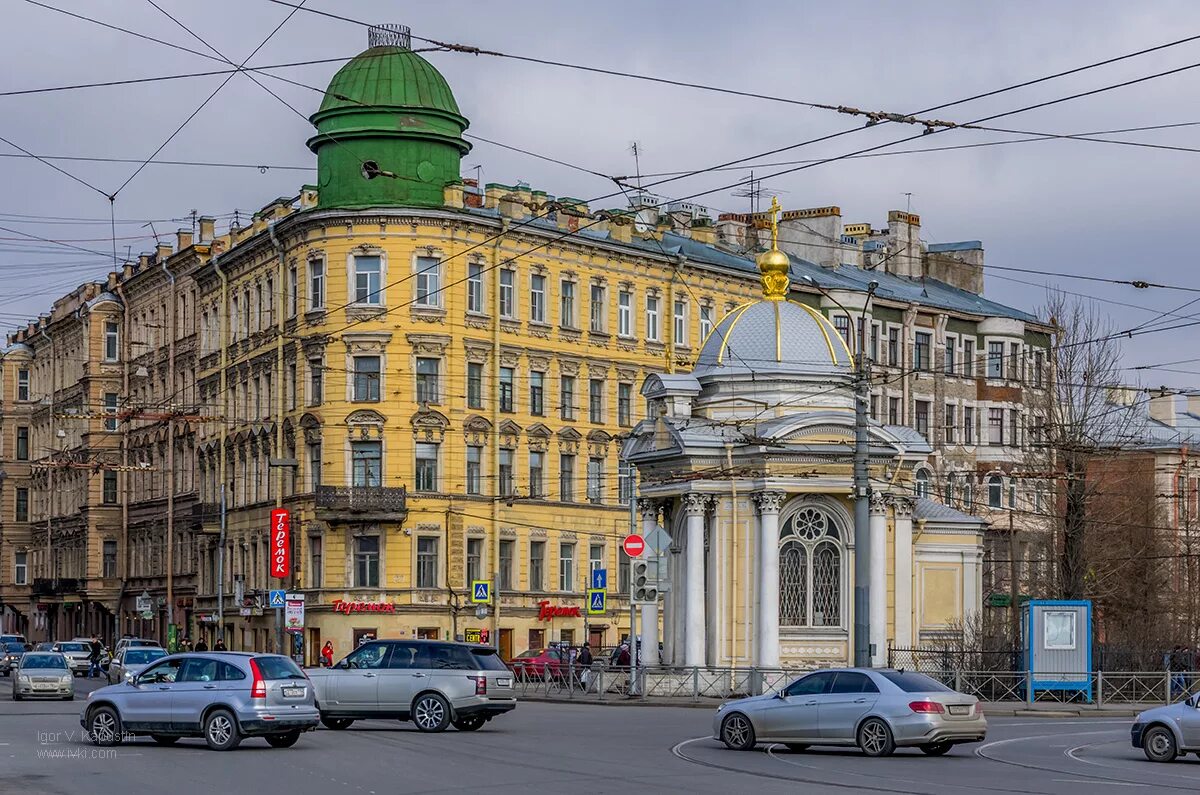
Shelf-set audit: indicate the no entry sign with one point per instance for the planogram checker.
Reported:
(634, 545)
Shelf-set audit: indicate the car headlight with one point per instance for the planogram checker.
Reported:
(23, 679)
(67, 679)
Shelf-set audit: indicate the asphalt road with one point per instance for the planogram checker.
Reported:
(570, 748)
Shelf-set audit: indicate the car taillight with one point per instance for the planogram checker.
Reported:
(480, 685)
(979, 709)
(927, 707)
(258, 689)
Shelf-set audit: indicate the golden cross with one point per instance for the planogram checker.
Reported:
(775, 208)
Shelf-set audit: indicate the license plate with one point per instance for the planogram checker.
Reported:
(504, 681)
(960, 710)
(42, 687)
(293, 692)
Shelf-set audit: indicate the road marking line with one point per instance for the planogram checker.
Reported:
(1098, 781)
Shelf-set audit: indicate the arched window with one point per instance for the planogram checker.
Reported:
(995, 491)
(810, 571)
(921, 487)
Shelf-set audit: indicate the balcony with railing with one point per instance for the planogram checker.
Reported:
(51, 587)
(363, 499)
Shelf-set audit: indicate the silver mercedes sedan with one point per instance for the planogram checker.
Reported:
(1165, 733)
(877, 710)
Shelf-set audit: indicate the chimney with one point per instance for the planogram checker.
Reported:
(183, 239)
(813, 234)
(904, 236)
(620, 229)
(703, 231)
(452, 195)
(308, 197)
(162, 251)
(492, 193)
(144, 260)
(510, 206)
(208, 228)
(1162, 407)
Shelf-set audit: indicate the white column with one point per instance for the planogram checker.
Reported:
(678, 593)
(670, 614)
(649, 617)
(971, 603)
(695, 505)
(878, 602)
(766, 621)
(904, 573)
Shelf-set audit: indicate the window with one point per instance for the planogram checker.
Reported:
(625, 482)
(566, 397)
(506, 472)
(625, 405)
(1014, 427)
(293, 293)
(968, 363)
(622, 571)
(842, 324)
(951, 422)
(995, 426)
(475, 287)
(366, 378)
(948, 357)
(566, 312)
(428, 281)
(110, 411)
(995, 366)
(428, 387)
(474, 464)
(109, 560)
(427, 562)
(652, 318)
(921, 417)
(595, 558)
(474, 385)
(1012, 492)
(22, 384)
(876, 330)
(596, 400)
(269, 294)
(109, 487)
(316, 561)
(291, 386)
(893, 359)
(508, 293)
(21, 505)
(112, 336)
(625, 313)
(995, 491)
(876, 401)
(426, 473)
(21, 568)
(566, 567)
(596, 309)
(366, 458)
(537, 298)
(537, 565)
(314, 464)
(1039, 366)
(968, 425)
(537, 393)
(366, 562)
(810, 571)
(948, 494)
(911, 682)
(921, 352)
(316, 382)
(706, 324)
(1015, 363)
(566, 477)
(595, 480)
(368, 272)
(506, 388)
(474, 560)
(921, 483)
(893, 411)
(537, 473)
(680, 336)
(316, 284)
(506, 565)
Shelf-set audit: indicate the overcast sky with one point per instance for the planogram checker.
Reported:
(1065, 206)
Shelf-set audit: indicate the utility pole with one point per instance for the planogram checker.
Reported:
(633, 644)
(862, 509)
(1014, 587)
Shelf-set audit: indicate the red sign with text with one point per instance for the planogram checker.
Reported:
(281, 547)
(634, 545)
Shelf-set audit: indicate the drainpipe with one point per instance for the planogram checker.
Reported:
(170, 556)
(224, 425)
(285, 291)
(50, 469)
(87, 628)
(123, 477)
(496, 433)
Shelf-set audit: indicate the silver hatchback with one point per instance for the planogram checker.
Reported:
(877, 710)
(223, 697)
(435, 684)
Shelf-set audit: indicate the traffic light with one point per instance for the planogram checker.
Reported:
(645, 590)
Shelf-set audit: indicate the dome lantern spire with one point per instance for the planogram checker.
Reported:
(773, 265)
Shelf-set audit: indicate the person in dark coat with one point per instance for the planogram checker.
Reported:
(201, 645)
(219, 645)
(97, 649)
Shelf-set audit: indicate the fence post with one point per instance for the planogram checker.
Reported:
(1100, 688)
(600, 686)
(1029, 688)
(958, 681)
(754, 686)
(696, 683)
(1167, 687)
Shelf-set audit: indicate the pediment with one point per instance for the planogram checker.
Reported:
(366, 417)
(539, 431)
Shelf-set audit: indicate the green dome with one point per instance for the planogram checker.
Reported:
(389, 77)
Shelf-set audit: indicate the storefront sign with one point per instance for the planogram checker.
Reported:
(476, 635)
(549, 612)
(281, 547)
(340, 606)
(293, 612)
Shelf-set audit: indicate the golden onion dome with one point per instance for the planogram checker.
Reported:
(773, 268)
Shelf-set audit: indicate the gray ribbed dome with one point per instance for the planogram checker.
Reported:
(774, 336)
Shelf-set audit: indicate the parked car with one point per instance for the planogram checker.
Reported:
(1165, 733)
(78, 654)
(124, 642)
(435, 684)
(877, 710)
(14, 639)
(43, 675)
(223, 697)
(539, 664)
(131, 661)
(11, 654)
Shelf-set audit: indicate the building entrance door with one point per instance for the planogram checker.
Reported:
(505, 646)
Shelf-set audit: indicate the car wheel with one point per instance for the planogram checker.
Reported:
(164, 739)
(469, 723)
(104, 726)
(221, 731)
(431, 713)
(797, 748)
(17, 697)
(337, 724)
(875, 738)
(737, 732)
(936, 749)
(285, 740)
(1159, 744)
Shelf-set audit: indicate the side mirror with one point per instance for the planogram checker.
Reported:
(780, 694)
(342, 664)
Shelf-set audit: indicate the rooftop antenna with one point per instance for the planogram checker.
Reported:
(908, 205)
(753, 191)
(636, 148)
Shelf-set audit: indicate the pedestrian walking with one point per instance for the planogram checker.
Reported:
(585, 661)
(327, 654)
(94, 658)
(219, 645)
(201, 645)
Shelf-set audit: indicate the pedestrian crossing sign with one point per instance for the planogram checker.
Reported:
(481, 592)
(276, 599)
(597, 602)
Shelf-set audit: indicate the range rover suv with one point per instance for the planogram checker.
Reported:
(435, 684)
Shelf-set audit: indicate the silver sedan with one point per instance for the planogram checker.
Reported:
(43, 675)
(1165, 733)
(877, 710)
